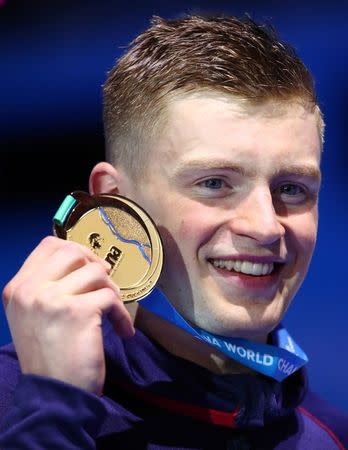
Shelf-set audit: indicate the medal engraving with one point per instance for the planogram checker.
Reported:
(113, 257)
(94, 240)
(119, 231)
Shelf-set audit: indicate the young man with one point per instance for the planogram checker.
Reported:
(212, 126)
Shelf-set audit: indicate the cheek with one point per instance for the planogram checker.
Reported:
(196, 227)
(304, 234)
(185, 233)
(189, 228)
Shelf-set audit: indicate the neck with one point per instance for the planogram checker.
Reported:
(181, 344)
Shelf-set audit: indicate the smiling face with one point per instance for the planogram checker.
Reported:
(234, 192)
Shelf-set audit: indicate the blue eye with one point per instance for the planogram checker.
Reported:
(213, 183)
(292, 193)
(291, 189)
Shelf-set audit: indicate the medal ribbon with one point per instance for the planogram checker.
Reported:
(277, 361)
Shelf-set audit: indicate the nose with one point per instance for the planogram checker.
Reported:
(256, 218)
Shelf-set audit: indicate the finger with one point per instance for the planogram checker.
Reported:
(90, 277)
(51, 260)
(47, 248)
(121, 320)
(109, 303)
(41, 253)
(67, 258)
(35, 259)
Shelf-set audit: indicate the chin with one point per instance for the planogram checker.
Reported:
(239, 323)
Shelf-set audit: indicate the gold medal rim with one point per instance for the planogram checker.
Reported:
(148, 283)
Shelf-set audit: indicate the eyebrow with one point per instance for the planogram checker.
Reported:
(206, 164)
(304, 170)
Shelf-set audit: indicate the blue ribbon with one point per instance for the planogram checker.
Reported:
(277, 361)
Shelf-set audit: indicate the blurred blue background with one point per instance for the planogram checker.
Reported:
(54, 58)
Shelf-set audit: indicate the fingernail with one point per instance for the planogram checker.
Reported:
(106, 264)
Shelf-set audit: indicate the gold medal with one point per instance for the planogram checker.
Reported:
(119, 231)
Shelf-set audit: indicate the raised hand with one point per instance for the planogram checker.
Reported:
(54, 306)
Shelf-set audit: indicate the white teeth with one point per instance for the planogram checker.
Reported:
(247, 267)
(237, 265)
(265, 269)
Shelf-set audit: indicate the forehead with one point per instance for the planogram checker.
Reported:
(212, 128)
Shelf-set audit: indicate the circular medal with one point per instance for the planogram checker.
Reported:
(119, 231)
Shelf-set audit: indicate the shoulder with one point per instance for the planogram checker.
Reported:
(320, 414)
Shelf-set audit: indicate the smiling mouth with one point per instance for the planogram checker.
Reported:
(254, 269)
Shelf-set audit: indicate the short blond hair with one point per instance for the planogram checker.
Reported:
(233, 56)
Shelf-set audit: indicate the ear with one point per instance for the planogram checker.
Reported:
(104, 179)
